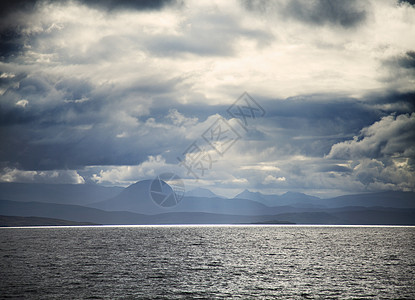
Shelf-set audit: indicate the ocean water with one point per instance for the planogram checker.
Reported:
(208, 262)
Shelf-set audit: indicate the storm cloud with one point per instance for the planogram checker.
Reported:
(111, 92)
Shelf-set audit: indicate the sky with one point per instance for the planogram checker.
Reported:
(273, 96)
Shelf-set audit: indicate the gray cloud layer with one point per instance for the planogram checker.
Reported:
(317, 12)
(115, 91)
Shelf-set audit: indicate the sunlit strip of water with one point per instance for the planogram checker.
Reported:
(206, 225)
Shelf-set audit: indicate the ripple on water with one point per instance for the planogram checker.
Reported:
(208, 262)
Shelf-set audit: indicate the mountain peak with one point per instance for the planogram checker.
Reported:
(145, 182)
(246, 194)
(297, 196)
(292, 193)
(201, 192)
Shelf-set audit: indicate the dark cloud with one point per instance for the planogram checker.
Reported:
(111, 5)
(11, 6)
(399, 67)
(93, 93)
(71, 123)
(392, 102)
(13, 15)
(403, 61)
(45, 146)
(407, 61)
(11, 43)
(322, 114)
(310, 124)
(392, 136)
(411, 2)
(322, 12)
(345, 14)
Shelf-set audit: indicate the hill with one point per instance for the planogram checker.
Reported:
(14, 221)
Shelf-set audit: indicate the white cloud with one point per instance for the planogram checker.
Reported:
(382, 156)
(7, 75)
(55, 176)
(22, 103)
(261, 167)
(392, 135)
(272, 179)
(179, 119)
(126, 175)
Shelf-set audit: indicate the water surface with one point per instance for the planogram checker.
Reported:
(171, 262)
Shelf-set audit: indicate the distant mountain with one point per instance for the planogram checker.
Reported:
(319, 218)
(385, 199)
(57, 193)
(136, 198)
(76, 213)
(201, 192)
(85, 214)
(134, 205)
(222, 206)
(289, 198)
(296, 197)
(364, 216)
(187, 204)
(254, 196)
(13, 221)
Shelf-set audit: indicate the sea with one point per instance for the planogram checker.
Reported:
(208, 262)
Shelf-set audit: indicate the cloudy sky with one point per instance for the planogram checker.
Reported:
(112, 92)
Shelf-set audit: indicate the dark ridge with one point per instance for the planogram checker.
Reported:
(15, 221)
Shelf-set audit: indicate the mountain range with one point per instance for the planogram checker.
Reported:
(90, 203)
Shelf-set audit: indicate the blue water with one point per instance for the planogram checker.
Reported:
(208, 262)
